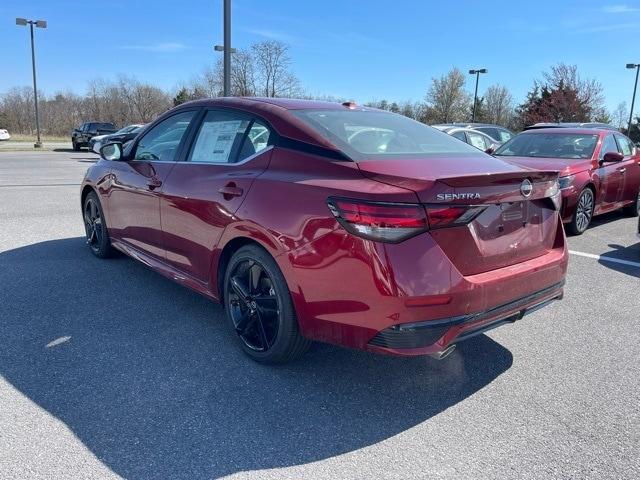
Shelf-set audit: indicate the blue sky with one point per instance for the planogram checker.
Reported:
(360, 49)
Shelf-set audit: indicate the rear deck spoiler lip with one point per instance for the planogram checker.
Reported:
(500, 178)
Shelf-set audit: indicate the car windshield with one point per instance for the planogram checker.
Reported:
(128, 129)
(102, 126)
(550, 145)
(368, 135)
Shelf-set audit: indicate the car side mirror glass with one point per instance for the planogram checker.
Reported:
(612, 157)
(111, 151)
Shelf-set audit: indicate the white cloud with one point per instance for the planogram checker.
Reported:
(167, 47)
(619, 9)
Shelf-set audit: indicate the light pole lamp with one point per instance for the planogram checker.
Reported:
(477, 73)
(23, 22)
(631, 66)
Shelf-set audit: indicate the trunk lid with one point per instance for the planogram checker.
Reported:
(511, 229)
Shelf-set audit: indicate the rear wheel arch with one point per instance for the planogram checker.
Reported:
(228, 250)
(85, 191)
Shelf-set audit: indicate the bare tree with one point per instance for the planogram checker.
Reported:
(620, 116)
(274, 76)
(243, 74)
(447, 99)
(498, 105)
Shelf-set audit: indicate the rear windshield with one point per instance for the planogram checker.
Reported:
(550, 145)
(370, 135)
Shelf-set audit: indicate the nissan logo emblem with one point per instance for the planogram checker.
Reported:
(526, 188)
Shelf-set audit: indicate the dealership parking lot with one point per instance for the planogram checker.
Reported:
(109, 370)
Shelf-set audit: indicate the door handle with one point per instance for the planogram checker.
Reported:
(230, 190)
(153, 183)
(622, 170)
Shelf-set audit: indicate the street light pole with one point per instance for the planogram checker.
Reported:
(227, 49)
(475, 96)
(39, 24)
(635, 87)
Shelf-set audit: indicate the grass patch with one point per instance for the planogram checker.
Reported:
(20, 137)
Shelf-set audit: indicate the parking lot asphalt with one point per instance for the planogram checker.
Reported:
(109, 370)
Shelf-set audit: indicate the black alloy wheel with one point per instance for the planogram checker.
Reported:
(633, 210)
(260, 309)
(253, 305)
(95, 227)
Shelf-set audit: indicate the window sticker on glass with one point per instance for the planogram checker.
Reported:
(215, 141)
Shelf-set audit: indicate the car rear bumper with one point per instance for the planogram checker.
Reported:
(437, 335)
(347, 291)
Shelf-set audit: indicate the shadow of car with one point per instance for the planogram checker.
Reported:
(146, 375)
(622, 259)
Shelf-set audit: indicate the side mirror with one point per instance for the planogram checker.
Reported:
(612, 157)
(111, 151)
(490, 150)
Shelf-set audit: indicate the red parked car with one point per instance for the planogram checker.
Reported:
(330, 222)
(599, 169)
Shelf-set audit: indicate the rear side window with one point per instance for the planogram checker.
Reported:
(499, 134)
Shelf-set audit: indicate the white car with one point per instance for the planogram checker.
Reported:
(4, 135)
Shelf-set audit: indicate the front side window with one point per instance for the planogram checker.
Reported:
(220, 139)
(608, 145)
(371, 135)
(626, 147)
(550, 145)
(162, 141)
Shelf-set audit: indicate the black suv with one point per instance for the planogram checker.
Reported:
(80, 136)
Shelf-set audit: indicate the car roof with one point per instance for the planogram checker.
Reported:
(285, 103)
(464, 129)
(590, 125)
(570, 130)
(468, 125)
(279, 113)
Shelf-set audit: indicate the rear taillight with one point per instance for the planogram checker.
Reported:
(383, 222)
(395, 222)
(441, 216)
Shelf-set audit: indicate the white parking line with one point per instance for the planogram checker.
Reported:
(605, 259)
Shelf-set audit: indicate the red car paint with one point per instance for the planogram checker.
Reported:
(184, 220)
(615, 185)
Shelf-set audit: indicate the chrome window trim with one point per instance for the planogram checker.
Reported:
(248, 159)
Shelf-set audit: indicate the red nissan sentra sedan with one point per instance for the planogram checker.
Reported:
(599, 169)
(330, 222)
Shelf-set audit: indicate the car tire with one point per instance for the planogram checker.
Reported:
(96, 227)
(259, 308)
(583, 214)
(633, 210)
(74, 145)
